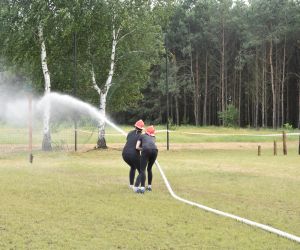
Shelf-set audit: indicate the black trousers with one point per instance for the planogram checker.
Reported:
(133, 160)
(148, 157)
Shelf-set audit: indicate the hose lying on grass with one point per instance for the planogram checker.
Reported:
(246, 221)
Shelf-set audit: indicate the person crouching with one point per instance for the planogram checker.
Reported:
(146, 144)
(130, 154)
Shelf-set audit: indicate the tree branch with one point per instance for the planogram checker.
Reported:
(122, 37)
(95, 86)
(134, 51)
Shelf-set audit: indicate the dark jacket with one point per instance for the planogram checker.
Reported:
(147, 142)
(132, 137)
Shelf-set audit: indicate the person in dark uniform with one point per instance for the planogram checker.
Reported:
(146, 144)
(130, 154)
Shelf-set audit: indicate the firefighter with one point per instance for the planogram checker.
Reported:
(130, 154)
(146, 144)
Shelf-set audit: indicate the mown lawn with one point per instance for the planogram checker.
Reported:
(64, 135)
(82, 201)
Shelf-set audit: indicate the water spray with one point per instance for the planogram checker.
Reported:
(84, 107)
(72, 103)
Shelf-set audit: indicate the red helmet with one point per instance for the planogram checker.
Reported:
(150, 131)
(139, 124)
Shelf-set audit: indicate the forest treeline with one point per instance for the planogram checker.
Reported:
(223, 55)
(221, 60)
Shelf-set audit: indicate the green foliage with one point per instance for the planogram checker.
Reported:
(288, 126)
(229, 116)
(92, 23)
(172, 125)
(124, 96)
(192, 32)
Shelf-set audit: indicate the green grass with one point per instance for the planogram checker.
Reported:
(192, 134)
(183, 134)
(81, 201)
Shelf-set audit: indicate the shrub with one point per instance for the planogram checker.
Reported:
(229, 116)
(287, 126)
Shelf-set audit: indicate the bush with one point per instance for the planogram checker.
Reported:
(229, 116)
(172, 126)
(287, 126)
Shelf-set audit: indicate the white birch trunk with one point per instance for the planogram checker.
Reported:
(46, 145)
(101, 143)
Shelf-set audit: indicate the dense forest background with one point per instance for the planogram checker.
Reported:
(219, 59)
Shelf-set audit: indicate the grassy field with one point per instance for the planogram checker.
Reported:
(184, 134)
(64, 135)
(82, 201)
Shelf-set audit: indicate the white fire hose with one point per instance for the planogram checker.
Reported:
(65, 99)
(246, 221)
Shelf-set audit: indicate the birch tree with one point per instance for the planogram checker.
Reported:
(129, 21)
(46, 144)
(102, 92)
(25, 45)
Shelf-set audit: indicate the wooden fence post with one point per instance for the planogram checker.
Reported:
(275, 148)
(284, 142)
